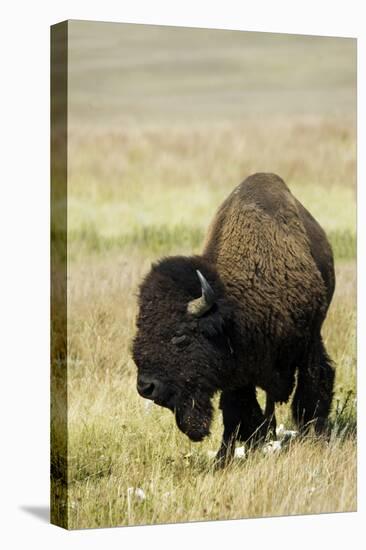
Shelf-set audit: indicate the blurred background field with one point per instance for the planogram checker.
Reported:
(163, 123)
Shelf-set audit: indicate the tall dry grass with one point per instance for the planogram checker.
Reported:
(115, 442)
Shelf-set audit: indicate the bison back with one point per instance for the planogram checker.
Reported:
(272, 255)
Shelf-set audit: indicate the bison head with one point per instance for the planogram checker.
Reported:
(182, 348)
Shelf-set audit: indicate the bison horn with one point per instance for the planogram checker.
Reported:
(204, 303)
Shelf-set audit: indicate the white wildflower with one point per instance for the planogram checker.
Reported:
(272, 447)
(280, 430)
(285, 434)
(148, 405)
(239, 452)
(136, 492)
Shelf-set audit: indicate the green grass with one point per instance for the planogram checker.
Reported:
(162, 240)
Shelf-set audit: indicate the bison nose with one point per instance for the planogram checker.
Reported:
(148, 388)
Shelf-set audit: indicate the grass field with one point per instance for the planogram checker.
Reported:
(149, 188)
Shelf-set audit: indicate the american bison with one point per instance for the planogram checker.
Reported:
(246, 313)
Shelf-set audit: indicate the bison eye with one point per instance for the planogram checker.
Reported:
(179, 341)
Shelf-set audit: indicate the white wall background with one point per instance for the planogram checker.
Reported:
(24, 269)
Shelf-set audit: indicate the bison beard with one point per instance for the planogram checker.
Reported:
(194, 419)
(247, 313)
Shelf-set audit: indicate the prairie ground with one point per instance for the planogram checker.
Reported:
(141, 191)
(115, 441)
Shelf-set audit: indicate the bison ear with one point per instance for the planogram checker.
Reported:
(212, 325)
(204, 303)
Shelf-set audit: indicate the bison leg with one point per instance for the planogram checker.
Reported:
(243, 421)
(313, 396)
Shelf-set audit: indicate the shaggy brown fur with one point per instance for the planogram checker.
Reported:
(271, 269)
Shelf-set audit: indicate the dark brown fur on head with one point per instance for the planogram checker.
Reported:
(188, 356)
